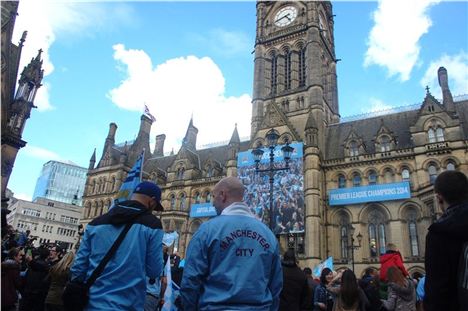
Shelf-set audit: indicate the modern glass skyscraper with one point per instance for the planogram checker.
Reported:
(63, 182)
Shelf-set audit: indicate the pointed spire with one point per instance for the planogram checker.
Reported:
(235, 136)
(190, 139)
(38, 57)
(92, 160)
(172, 152)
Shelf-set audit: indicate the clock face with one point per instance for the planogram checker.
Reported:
(285, 16)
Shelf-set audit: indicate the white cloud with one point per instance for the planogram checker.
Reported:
(47, 20)
(41, 153)
(176, 89)
(393, 41)
(224, 42)
(376, 105)
(457, 70)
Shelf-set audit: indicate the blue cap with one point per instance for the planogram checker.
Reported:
(152, 190)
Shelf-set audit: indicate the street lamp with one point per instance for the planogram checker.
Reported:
(272, 140)
(352, 247)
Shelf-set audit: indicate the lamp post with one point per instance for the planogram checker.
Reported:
(352, 247)
(272, 140)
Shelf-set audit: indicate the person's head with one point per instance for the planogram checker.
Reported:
(349, 288)
(63, 266)
(392, 247)
(227, 191)
(28, 232)
(43, 252)
(148, 194)
(289, 258)
(451, 188)
(15, 254)
(308, 272)
(395, 275)
(326, 276)
(369, 271)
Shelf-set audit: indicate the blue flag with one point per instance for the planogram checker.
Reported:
(328, 263)
(132, 180)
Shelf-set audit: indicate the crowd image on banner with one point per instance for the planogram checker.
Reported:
(288, 194)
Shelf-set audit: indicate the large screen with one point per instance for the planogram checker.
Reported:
(288, 189)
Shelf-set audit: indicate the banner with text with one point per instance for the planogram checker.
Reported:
(288, 188)
(373, 193)
(202, 210)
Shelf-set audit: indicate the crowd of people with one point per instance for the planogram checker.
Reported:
(232, 262)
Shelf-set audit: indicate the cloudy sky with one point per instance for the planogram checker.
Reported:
(104, 60)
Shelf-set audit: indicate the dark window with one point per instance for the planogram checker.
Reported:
(372, 178)
(356, 180)
(287, 71)
(274, 68)
(302, 67)
(341, 181)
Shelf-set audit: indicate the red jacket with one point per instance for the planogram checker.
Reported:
(391, 258)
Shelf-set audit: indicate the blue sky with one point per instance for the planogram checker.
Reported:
(104, 60)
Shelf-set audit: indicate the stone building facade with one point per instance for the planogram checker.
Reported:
(51, 222)
(17, 103)
(295, 92)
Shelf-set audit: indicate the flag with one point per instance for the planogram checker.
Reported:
(132, 180)
(170, 238)
(148, 113)
(172, 290)
(328, 263)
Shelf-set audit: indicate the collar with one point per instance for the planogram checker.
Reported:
(237, 209)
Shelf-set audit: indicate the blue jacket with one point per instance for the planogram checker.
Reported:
(122, 284)
(232, 263)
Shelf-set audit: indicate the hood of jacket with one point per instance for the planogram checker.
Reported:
(389, 255)
(404, 292)
(453, 222)
(123, 212)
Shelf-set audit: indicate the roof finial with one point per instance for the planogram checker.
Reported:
(427, 90)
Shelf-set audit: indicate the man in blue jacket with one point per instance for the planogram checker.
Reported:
(122, 284)
(233, 260)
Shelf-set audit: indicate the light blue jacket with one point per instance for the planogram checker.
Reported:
(122, 284)
(232, 263)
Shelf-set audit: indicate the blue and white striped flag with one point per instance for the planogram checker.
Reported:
(132, 180)
(172, 290)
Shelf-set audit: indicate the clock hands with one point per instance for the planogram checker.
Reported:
(284, 16)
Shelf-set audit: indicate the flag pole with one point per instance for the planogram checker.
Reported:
(142, 161)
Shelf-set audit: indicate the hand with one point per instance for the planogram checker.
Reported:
(322, 305)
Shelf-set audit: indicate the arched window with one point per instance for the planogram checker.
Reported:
(207, 197)
(384, 144)
(353, 149)
(440, 134)
(197, 197)
(431, 135)
(344, 225)
(180, 173)
(182, 201)
(432, 170)
(287, 70)
(372, 178)
(388, 176)
(405, 174)
(377, 237)
(450, 166)
(209, 171)
(172, 199)
(302, 66)
(356, 180)
(274, 74)
(413, 232)
(341, 181)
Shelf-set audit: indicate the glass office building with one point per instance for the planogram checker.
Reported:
(63, 182)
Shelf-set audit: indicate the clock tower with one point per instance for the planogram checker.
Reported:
(295, 92)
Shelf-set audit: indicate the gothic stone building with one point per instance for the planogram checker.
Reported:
(295, 92)
(16, 109)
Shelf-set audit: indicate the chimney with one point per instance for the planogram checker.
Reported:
(447, 98)
(159, 147)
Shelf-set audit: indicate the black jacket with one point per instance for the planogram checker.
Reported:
(370, 286)
(295, 288)
(443, 247)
